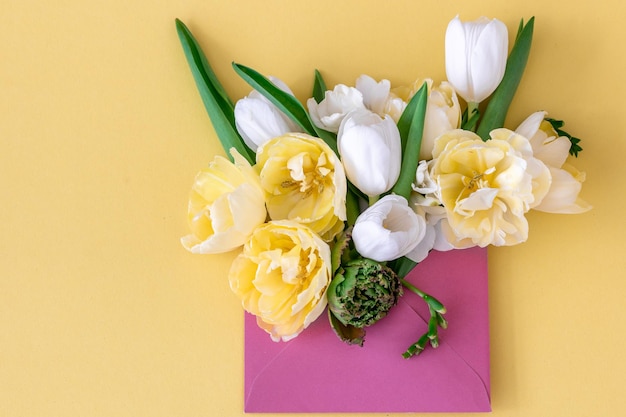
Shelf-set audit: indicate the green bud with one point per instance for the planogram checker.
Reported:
(362, 292)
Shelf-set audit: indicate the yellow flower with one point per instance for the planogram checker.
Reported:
(226, 204)
(443, 111)
(485, 186)
(282, 276)
(304, 181)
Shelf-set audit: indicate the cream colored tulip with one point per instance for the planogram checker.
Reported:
(226, 204)
(443, 113)
(304, 181)
(563, 195)
(282, 277)
(485, 188)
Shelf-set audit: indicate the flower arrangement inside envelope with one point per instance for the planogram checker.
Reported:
(331, 203)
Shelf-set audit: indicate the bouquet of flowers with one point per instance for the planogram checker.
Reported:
(333, 203)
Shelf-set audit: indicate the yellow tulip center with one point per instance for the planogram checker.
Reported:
(305, 176)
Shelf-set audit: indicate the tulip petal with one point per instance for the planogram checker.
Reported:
(488, 58)
(370, 149)
(258, 121)
(374, 93)
(456, 57)
(388, 230)
(563, 195)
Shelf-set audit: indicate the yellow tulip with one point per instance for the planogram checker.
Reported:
(485, 188)
(282, 276)
(226, 204)
(304, 181)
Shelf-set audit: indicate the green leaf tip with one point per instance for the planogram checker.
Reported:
(411, 127)
(319, 87)
(216, 101)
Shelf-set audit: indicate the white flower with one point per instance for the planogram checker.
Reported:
(394, 106)
(547, 146)
(476, 54)
(424, 184)
(375, 94)
(370, 150)
(258, 120)
(330, 112)
(434, 238)
(426, 202)
(387, 230)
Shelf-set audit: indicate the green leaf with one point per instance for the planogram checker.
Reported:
(402, 266)
(574, 142)
(319, 87)
(342, 243)
(287, 103)
(411, 127)
(346, 332)
(498, 106)
(216, 101)
(352, 205)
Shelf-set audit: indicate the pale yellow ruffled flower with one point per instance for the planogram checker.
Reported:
(443, 111)
(226, 204)
(486, 187)
(304, 181)
(282, 276)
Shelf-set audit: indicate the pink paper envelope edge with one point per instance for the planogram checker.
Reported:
(316, 372)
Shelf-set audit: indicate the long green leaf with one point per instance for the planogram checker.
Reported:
(287, 103)
(498, 106)
(413, 132)
(216, 101)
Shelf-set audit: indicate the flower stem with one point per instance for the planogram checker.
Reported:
(471, 108)
(373, 199)
(436, 310)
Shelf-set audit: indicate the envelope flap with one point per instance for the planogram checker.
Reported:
(317, 373)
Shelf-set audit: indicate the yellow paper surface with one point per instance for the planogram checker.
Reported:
(103, 313)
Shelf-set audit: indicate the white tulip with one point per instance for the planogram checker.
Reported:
(375, 94)
(330, 112)
(258, 120)
(476, 54)
(426, 203)
(371, 151)
(434, 238)
(388, 230)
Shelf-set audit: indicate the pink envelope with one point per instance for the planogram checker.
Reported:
(316, 372)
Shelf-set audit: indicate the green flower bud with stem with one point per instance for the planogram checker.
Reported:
(361, 292)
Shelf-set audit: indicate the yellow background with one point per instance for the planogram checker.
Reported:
(103, 313)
